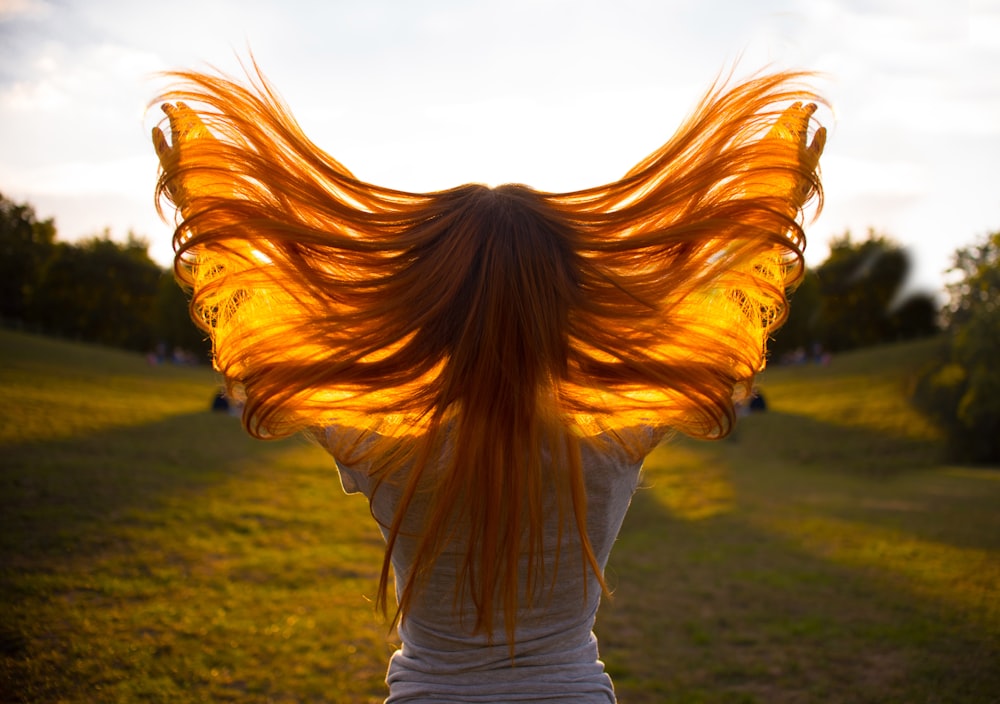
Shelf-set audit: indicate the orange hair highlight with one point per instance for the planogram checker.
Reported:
(494, 328)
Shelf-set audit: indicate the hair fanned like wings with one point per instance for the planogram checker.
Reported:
(513, 317)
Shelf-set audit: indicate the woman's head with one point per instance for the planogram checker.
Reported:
(492, 281)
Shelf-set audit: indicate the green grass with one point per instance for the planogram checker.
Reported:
(822, 553)
(151, 552)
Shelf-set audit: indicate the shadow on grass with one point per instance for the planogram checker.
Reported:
(716, 607)
(723, 609)
(167, 556)
(183, 561)
(808, 442)
(56, 495)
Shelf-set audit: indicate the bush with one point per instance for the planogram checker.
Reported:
(963, 389)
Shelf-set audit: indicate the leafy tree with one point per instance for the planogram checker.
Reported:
(853, 300)
(859, 290)
(915, 317)
(173, 325)
(963, 388)
(101, 291)
(974, 292)
(25, 245)
(96, 290)
(801, 329)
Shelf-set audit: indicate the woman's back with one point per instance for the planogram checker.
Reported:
(555, 653)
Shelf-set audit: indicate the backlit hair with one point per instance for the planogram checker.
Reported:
(504, 324)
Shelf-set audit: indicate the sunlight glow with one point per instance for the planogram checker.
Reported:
(690, 488)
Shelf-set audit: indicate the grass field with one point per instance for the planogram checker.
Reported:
(151, 552)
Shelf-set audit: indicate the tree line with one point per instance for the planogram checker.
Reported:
(856, 298)
(96, 290)
(111, 293)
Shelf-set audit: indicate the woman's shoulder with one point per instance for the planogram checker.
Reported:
(627, 445)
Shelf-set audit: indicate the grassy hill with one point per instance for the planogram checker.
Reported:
(151, 552)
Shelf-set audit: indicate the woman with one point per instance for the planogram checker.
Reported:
(489, 366)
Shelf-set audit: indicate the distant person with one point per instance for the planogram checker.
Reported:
(489, 366)
(755, 403)
(820, 356)
(220, 402)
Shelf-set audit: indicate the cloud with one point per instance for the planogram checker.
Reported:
(85, 178)
(55, 75)
(75, 105)
(24, 9)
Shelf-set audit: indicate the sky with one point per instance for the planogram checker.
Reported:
(557, 94)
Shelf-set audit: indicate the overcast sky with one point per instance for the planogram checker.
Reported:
(557, 94)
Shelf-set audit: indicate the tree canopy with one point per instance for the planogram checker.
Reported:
(97, 289)
(855, 298)
(25, 244)
(963, 388)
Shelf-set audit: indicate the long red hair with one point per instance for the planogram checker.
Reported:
(507, 324)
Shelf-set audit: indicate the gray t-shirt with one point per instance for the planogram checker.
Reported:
(556, 656)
